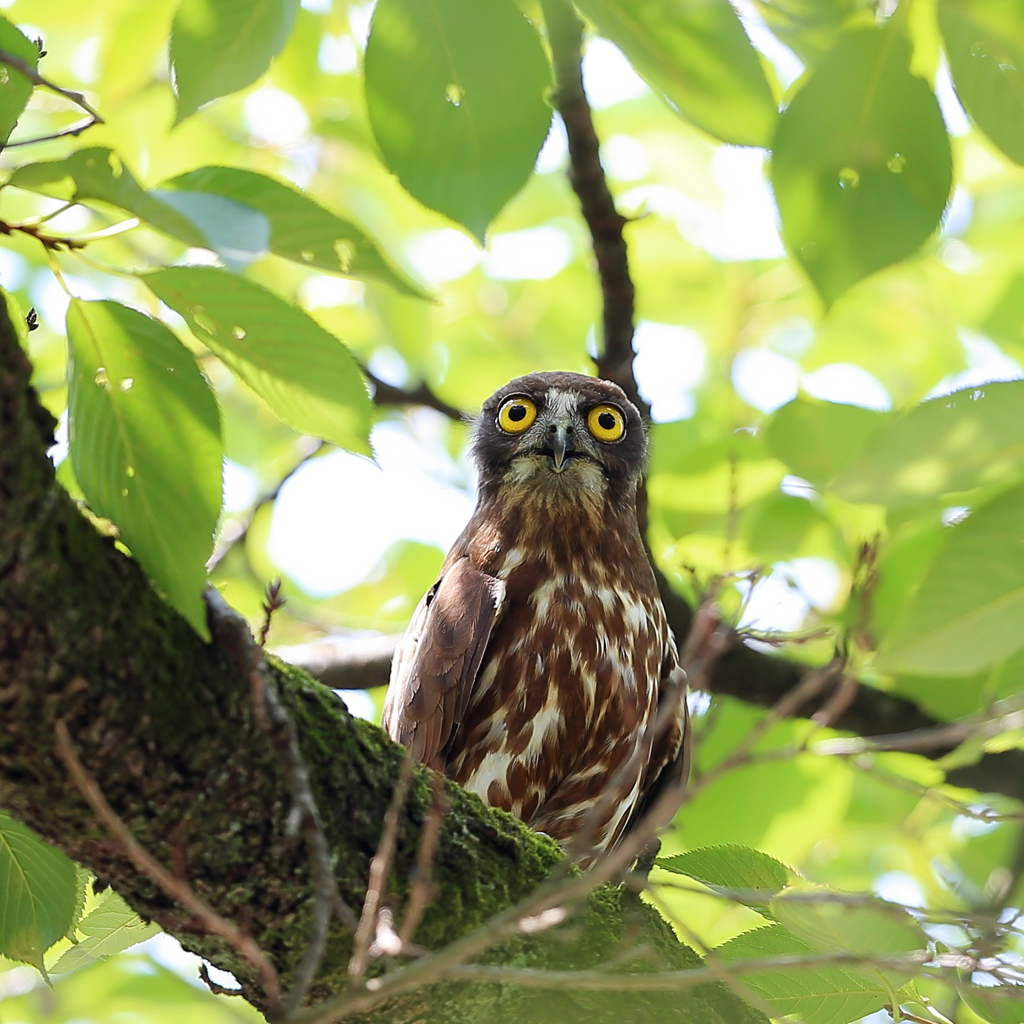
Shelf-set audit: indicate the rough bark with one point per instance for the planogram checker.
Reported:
(163, 722)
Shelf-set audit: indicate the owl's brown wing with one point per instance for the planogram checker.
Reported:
(437, 661)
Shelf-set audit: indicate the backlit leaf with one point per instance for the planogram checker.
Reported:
(753, 875)
(966, 613)
(985, 46)
(455, 93)
(220, 46)
(144, 433)
(15, 88)
(110, 927)
(37, 893)
(697, 55)
(817, 995)
(861, 162)
(306, 375)
(300, 228)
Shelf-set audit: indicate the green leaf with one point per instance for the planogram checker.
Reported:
(455, 93)
(300, 228)
(818, 995)
(37, 893)
(1005, 321)
(221, 46)
(697, 55)
(967, 612)
(861, 162)
(15, 88)
(810, 29)
(1003, 1004)
(307, 376)
(109, 928)
(970, 438)
(752, 875)
(818, 439)
(985, 46)
(144, 434)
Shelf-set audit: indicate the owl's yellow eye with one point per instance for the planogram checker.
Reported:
(606, 422)
(517, 414)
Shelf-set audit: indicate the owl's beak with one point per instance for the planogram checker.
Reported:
(560, 446)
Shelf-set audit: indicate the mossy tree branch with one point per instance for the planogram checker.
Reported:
(163, 723)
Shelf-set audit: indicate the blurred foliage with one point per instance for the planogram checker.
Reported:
(240, 237)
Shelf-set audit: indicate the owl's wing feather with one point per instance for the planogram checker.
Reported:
(437, 661)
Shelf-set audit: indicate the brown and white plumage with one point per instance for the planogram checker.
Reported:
(532, 670)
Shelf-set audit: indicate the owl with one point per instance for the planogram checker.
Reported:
(533, 669)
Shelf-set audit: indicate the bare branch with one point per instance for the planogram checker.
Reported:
(345, 663)
(388, 394)
(177, 889)
(422, 890)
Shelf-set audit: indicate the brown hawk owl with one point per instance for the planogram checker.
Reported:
(533, 668)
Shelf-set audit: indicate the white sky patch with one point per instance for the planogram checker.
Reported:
(847, 384)
(554, 153)
(359, 703)
(85, 59)
(899, 887)
(788, 66)
(625, 158)
(168, 952)
(359, 16)
(532, 254)
(316, 6)
(274, 117)
(957, 217)
(337, 516)
(782, 600)
(323, 291)
(669, 363)
(12, 269)
(608, 77)
(388, 365)
(764, 379)
(957, 122)
(748, 228)
(442, 255)
(798, 487)
(240, 487)
(986, 362)
(58, 451)
(337, 55)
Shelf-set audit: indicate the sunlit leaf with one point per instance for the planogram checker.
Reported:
(818, 439)
(110, 927)
(861, 162)
(455, 93)
(970, 438)
(220, 46)
(37, 893)
(697, 55)
(15, 88)
(144, 433)
(307, 376)
(818, 995)
(810, 27)
(300, 229)
(752, 875)
(985, 46)
(966, 613)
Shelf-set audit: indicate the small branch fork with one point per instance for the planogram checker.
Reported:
(26, 70)
(52, 243)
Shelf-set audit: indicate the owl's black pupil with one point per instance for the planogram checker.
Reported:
(607, 421)
(517, 413)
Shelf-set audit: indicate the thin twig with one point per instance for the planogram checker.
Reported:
(215, 987)
(28, 71)
(52, 243)
(175, 888)
(422, 890)
(380, 868)
(389, 394)
(273, 600)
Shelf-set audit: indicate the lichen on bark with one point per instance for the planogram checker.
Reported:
(163, 722)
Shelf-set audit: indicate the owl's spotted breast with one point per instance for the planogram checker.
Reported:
(533, 670)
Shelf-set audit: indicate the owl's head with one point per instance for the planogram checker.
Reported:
(560, 433)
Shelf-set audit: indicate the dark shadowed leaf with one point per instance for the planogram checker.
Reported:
(967, 611)
(697, 55)
(455, 92)
(15, 88)
(817, 995)
(861, 162)
(220, 46)
(985, 45)
(971, 438)
(306, 375)
(144, 431)
(37, 893)
(300, 228)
